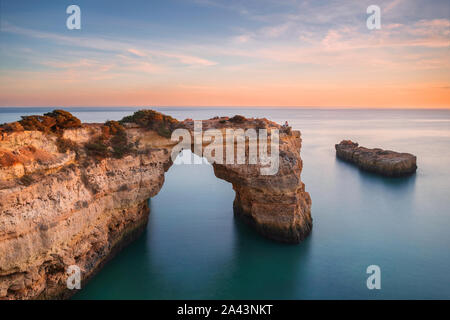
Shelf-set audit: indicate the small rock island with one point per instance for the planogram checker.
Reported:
(383, 162)
(75, 193)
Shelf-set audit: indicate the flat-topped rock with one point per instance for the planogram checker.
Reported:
(384, 162)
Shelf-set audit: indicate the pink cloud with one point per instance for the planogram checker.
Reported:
(392, 5)
(137, 52)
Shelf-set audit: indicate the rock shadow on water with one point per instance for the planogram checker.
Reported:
(202, 257)
(261, 268)
(403, 183)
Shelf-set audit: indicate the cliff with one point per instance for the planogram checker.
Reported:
(75, 194)
(384, 162)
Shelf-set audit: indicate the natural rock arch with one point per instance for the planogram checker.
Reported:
(69, 211)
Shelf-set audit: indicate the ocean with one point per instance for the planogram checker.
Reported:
(194, 248)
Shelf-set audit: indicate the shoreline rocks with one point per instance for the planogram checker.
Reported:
(384, 162)
(76, 196)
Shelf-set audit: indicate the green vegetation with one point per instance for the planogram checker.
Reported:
(260, 124)
(153, 120)
(120, 145)
(26, 180)
(112, 128)
(11, 127)
(97, 148)
(54, 121)
(164, 131)
(66, 144)
(63, 119)
(238, 119)
(119, 140)
(112, 142)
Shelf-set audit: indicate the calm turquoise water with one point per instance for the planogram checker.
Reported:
(194, 249)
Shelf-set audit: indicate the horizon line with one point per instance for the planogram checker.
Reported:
(235, 107)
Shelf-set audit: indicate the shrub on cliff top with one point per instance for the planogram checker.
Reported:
(238, 119)
(38, 123)
(113, 141)
(11, 127)
(153, 120)
(112, 128)
(54, 121)
(64, 119)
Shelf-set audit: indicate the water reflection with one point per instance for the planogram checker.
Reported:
(263, 269)
(401, 185)
(194, 248)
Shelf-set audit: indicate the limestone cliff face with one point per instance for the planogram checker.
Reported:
(70, 213)
(277, 206)
(64, 208)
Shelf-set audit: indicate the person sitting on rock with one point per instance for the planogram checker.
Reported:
(286, 128)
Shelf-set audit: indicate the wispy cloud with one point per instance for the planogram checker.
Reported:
(255, 50)
(390, 6)
(105, 44)
(136, 52)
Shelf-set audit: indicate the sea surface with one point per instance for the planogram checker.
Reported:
(194, 248)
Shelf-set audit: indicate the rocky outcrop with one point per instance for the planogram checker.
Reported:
(65, 211)
(384, 162)
(79, 196)
(277, 206)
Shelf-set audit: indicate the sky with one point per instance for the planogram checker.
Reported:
(284, 53)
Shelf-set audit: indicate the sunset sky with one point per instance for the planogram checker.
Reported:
(225, 53)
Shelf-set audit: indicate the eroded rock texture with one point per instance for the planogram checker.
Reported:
(384, 162)
(80, 206)
(277, 206)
